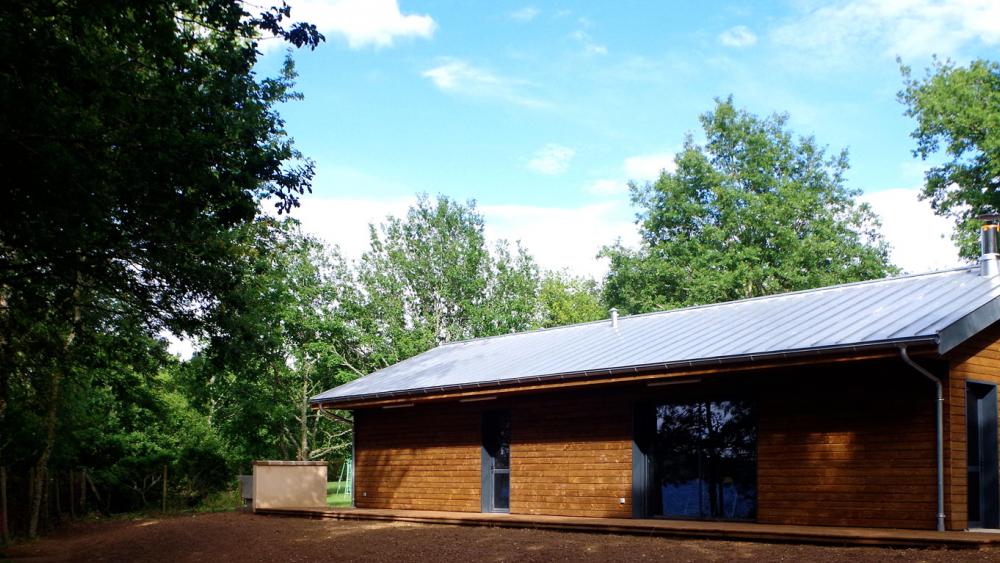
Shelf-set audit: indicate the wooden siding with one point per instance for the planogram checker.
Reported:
(978, 359)
(848, 450)
(845, 444)
(571, 455)
(417, 458)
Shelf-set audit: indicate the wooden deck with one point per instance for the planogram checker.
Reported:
(733, 531)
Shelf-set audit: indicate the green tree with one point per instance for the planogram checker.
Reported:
(280, 336)
(957, 110)
(431, 277)
(121, 420)
(754, 211)
(565, 299)
(141, 138)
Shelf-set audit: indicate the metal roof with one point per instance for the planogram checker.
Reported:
(942, 308)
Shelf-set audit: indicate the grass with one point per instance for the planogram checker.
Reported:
(221, 501)
(334, 499)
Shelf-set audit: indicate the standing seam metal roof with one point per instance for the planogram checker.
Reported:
(943, 308)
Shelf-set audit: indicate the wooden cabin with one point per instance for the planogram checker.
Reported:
(817, 407)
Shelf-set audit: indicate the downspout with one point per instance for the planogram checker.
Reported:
(939, 415)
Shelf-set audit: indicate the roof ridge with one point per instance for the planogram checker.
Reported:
(708, 305)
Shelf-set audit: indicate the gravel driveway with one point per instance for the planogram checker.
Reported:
(243, 537)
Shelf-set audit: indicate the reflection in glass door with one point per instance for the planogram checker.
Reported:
(705, 460)
(496, 462)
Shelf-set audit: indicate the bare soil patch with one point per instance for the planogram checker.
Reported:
(244, 537)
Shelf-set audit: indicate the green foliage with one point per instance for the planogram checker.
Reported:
(278, 339)
(431, 278)
(141, 140)
(753, 212)
(958, 112)
(122, 419)
(565, 299)
(223, 500)
(300, 321)
(147, 137)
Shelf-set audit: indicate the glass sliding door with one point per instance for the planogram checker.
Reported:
(705, 460)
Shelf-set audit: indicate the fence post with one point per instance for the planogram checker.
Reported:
(72, 496)
(3, 503)
(164, 488)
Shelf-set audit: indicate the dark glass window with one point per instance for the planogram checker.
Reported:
(975, 513)
(501, 491)
(501, 455)
(496, 443)
(972, 428)
(705, 460)
(982, 463)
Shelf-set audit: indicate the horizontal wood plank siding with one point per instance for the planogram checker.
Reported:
(838, 445)
(848, 448)
(571, 455)
(417, 458)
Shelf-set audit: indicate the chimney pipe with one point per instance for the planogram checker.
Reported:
(988, 261)
(614, 318)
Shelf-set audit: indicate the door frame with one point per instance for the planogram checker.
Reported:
(989, 453)
(646, 495)
(486, 469)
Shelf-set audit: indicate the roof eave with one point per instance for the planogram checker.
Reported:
(968, 326)
(608, 372)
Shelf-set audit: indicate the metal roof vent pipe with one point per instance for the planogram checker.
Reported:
(988, 261)
(614, 318)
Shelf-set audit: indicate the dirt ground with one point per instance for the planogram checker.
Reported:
(243, 537)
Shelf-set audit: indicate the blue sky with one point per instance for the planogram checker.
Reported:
(542, 111)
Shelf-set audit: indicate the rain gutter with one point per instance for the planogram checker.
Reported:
(939, 416)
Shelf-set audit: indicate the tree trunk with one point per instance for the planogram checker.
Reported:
(83, 492)
(42, 466)
(45, 517)
(93, 489)
(58, 502)
(164, 488)
(72, 500)
(3, 505)
(31, 485)
(304, 416)
(51, 416)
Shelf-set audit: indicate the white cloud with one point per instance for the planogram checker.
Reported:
(362, 23)
(459, 77)
(590, 47)
(920, 240)
(639, 168)
(552, 159)
(558, 237)
(525, 14)
(607, 187)
(647, 167)
(564, 237)
(739, 36)
(344, 221)
(850, 29)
